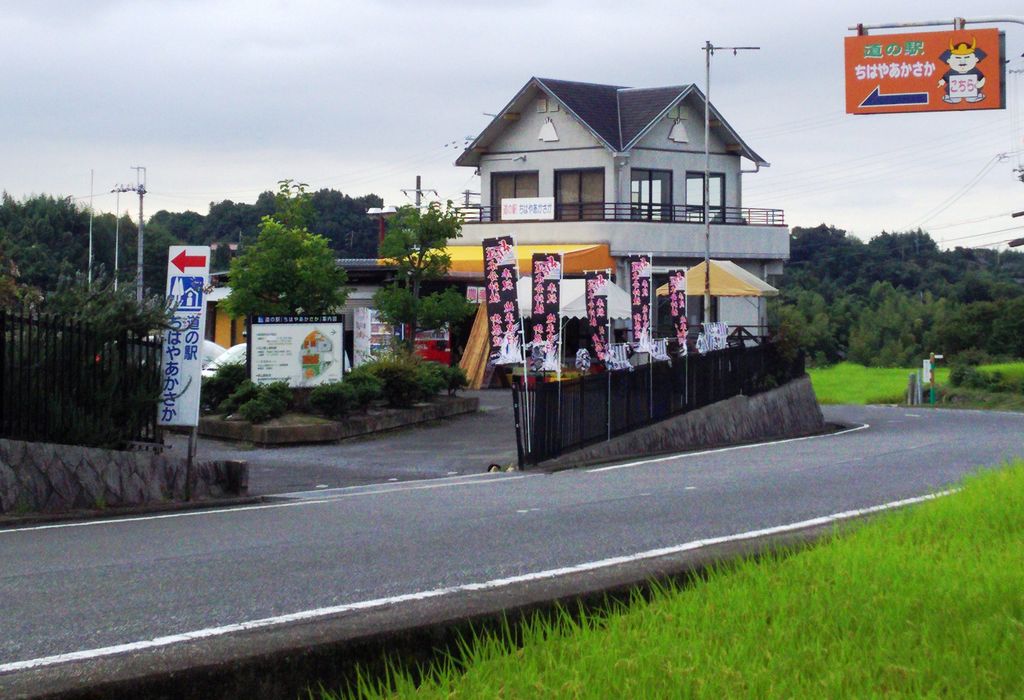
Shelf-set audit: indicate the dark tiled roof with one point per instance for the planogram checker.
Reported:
(617, 114)
(596, 105)
(638, 107)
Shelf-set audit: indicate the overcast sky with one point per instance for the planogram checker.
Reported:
(221, 99)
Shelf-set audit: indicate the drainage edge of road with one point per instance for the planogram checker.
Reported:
(283, 661)
(8, 521)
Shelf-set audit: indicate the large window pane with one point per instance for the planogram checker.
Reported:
(579, 194)
(511, 186)
(695, 196)
(652, 191)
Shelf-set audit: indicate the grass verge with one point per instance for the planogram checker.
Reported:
(927, 601)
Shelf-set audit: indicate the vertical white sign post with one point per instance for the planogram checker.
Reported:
(188, 276)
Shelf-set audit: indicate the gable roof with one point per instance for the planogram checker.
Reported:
(618, 117)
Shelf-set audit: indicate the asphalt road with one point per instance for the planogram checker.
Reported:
(461, 445)
(84, 589)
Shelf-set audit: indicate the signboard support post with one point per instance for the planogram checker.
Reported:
(189, 462)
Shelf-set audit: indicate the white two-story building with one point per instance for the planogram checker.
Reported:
(619, 171)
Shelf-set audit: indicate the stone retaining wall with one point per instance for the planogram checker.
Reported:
(39, 477)
(789, 411)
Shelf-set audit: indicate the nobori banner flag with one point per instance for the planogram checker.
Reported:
(547, 276)
(188, 275)
(677, 305)
(640, 300)
(597, 311)
(500, 277)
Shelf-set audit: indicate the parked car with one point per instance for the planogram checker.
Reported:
(233, 355)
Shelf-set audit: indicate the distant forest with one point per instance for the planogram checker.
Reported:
(43, 238)
(894, 299)
(888, 301)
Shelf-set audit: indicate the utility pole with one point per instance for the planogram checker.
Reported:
(117, 234)
(709, 50)
(140, 188)
(419, 191)
(91, 210)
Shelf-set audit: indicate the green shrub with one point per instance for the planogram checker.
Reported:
(268, 401)
(259, 409)
(246, 391)
(334, 400)
(222, 384)
(432, 379)
(366, 387)
(279, 394)
(399, 383)
(455, 378)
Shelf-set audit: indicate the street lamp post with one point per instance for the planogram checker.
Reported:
(710, 49)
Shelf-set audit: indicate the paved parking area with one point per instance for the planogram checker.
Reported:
(460, 445)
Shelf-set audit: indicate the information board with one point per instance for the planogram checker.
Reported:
(301, 350)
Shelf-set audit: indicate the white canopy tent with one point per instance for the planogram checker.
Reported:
(574, 299)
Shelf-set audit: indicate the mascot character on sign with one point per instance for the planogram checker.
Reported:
(963, 80)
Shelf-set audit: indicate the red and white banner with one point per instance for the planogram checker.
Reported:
(547, 276)
(500, 277)
(677, 304)
(597, 311)
(640, 300)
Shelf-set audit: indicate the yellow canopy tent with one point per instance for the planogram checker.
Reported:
(727, 280)
(577, 257)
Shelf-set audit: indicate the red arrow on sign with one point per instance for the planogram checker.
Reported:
(183, 260)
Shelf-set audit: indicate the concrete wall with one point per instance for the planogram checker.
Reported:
(789, 411)
(39, 477)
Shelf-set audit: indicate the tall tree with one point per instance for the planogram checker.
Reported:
(288, 270)
(415, 242)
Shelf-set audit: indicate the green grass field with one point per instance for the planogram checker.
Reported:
(926, 601)
(849, 383)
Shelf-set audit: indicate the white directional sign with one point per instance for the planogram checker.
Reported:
(188, 275)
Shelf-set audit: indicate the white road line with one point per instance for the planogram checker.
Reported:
(316, 613)
(266, 506)
(683, 455)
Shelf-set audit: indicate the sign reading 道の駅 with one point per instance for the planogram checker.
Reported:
(925, 71)
(188, 275)
(528, 208)
(301, 350)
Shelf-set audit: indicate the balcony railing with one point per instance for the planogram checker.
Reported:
(656, 213)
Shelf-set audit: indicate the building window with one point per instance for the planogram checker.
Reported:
(695, 196)
(511, 186)
(650, 194)
(579, 194)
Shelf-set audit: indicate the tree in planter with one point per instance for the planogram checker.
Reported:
(415, 241)
(288, 270)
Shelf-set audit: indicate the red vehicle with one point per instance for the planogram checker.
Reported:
(434, 345)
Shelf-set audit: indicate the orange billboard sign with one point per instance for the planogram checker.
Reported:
(925, 72)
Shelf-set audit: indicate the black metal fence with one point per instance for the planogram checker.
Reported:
(555, 417)
(65, 382)
(627, 211)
